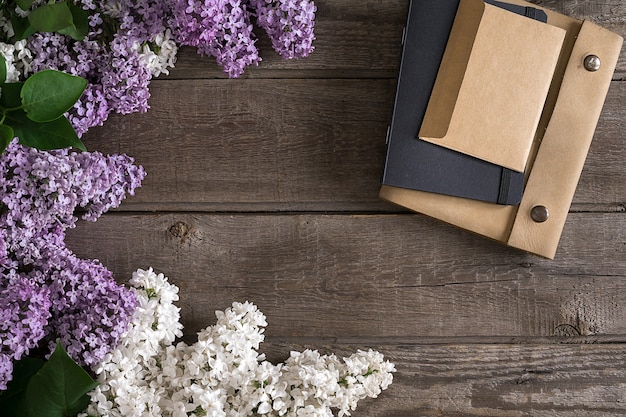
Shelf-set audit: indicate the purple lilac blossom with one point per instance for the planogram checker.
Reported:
(6, 370)
(219, 28)
(42, 190)
(125, 80)
(118, 81)
(234, 45)
(24, 313)
(4, 256)
(46, 292)
(289, 24)
(141, 20)
(91, 110)
(87, 59)
(194, 22)
(90, 311)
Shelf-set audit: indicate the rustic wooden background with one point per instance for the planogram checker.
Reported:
(265, 189)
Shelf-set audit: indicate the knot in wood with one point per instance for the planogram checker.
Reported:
(566, 330)
(180, 230)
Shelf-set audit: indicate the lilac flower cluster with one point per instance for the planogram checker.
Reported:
(289, 24)
(24, 314)
(140, 20)
(90, 312)
(46, 292)
(218, 28)
(234, 44)
(223, 29)
(112, 63)
(196, 23)
(131, 41)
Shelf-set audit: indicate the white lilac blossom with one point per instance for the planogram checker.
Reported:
(160, 55)
(18, 59)
(222, 373)
(6, 26)
(46, 292)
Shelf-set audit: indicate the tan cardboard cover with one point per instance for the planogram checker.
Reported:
(492, 84)
(557, 157)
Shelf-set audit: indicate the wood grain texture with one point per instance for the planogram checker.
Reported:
(385, 275)
(267, 145)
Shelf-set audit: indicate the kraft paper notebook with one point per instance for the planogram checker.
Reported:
(555, 156)
(492, 84)
(417, 164)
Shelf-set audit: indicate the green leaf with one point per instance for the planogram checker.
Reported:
(51, 17)
(12, 400)
(3, 69)
(21, 27)
(57, 134)
(60, 387)
(48, 94)
(63, 17)
(6, 136)
(80, 27)
(10, 97)
(24, 4)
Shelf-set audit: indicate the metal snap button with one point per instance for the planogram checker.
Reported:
(592, 63)
(539, 214)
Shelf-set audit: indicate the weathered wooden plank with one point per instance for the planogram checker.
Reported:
(266, 145)
(263, 143)
(493, 380)
(378, 275)
(362, 39)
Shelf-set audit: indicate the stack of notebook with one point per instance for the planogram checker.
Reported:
(487, 131)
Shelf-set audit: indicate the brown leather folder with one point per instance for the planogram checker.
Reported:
(554, 158)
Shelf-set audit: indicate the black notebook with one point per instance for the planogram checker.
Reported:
(416, 164)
